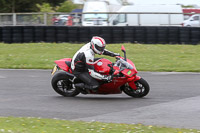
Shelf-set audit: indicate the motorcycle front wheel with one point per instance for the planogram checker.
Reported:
(61, 84)
(141, 91)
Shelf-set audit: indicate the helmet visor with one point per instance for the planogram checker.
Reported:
(101, 49)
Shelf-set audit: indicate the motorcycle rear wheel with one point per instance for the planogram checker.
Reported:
(61, 84)
(142, 89)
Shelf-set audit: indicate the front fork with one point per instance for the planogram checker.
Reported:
(131, 81)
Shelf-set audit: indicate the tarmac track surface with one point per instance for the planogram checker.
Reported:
(173, 100)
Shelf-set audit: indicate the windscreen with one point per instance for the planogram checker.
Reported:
(91, 17)
(122, 63)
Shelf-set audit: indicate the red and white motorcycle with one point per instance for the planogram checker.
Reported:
(123, 72)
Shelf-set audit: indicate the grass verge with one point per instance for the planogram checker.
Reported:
(180, 58)
(38, 125)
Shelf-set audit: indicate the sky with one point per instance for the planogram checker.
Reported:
(184, 2)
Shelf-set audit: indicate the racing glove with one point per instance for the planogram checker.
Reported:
(107, 78)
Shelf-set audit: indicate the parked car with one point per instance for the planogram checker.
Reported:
(61, 20)
(193, 21)
(189, 12)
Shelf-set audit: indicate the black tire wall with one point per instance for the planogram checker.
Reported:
(123, 34)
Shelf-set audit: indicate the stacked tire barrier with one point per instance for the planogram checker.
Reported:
(38, 34)
(162, 35)
(132, 34)
(61, 34)
(195, 35)
(28, 33)
(129, 34)
(6, 34)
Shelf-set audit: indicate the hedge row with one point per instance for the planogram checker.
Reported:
(133, 34)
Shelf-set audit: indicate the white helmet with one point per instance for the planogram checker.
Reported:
(98, 45)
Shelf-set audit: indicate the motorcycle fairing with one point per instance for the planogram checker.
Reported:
(113, 87)
(63, 65)
(129, 72)
(131, 82)
(101, 66)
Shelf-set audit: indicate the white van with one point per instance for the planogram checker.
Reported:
(95, 19)
(134, 15)
(193, 21)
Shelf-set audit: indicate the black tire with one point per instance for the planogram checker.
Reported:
(142, 89)
(62, 85)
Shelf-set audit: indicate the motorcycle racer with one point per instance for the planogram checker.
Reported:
(83, 60)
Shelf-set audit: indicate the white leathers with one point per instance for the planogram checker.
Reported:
(83, 60)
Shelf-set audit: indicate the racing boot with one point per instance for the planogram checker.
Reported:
(81, 88)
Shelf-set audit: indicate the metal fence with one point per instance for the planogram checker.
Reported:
(76, 19)
(36, 19)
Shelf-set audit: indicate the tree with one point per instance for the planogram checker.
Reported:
(67, 6)
(7, 6)
(45, 7)
(18, 5)
(55, 3)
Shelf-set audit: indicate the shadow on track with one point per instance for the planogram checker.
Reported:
(101, 98)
